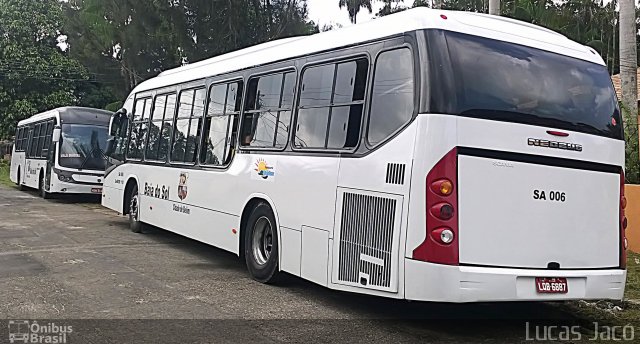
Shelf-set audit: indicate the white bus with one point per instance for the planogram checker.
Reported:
(61, 151)
(427, 155)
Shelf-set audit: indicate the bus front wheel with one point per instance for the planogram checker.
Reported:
(134, 211)
(19, 183)
(41, 187)
(261, 244)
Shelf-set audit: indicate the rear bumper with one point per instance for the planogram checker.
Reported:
(435, 282)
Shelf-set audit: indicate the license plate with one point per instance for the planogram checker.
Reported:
(96, 190)
(555, 285)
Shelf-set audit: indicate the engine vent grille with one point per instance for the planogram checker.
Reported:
(366, 239)
(395, 173)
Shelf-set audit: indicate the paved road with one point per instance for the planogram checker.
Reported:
(61, 259)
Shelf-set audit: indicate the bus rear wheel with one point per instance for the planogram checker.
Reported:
(261, 244)
(134, 211)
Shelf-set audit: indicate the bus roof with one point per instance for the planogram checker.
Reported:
(478, 24)
(73, 114)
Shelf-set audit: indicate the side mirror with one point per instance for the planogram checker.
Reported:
(57, 132)
(121, 113)
(111, 146)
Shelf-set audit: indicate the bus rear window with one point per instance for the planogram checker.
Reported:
(508, 82)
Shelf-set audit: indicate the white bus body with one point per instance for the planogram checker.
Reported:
(61, 151)
(427, 155)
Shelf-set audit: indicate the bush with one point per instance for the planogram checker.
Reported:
(113, 107)
(632, 161)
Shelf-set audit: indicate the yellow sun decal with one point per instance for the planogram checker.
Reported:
(264, 170)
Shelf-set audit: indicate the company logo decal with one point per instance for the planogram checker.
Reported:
(26, 331)
(182, 185)
(264, 170)
(554, 144)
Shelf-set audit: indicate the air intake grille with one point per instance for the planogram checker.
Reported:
(395, 173)
(366, 239)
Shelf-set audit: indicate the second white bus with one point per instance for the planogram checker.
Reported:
(61, 151)
(427, 155)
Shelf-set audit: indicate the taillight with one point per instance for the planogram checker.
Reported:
(443, 211)
(623, 224)
(441, 241)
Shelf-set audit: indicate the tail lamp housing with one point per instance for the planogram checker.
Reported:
(441, 213)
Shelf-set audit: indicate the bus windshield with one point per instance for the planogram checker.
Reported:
(503, 81)
(82, 146)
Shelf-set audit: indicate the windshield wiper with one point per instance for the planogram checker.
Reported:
(91, 155)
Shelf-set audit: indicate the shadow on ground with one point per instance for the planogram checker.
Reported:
(474, 316)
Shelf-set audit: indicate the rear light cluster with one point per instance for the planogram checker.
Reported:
(623, 225)
(441, 241)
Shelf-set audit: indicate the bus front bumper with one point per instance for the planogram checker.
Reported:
(72, 188)
(445, 283)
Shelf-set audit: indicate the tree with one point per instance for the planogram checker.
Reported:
(494, 7)
(390, 7)
(128, 41)
(353, 7)
(35, 74)
(628, 56)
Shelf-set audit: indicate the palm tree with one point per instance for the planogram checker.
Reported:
(494, 7)
(353, 6)
(628, 56)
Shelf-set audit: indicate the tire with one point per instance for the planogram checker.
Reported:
(134, 211)
(19, 183)
(261, 244)
(43, 192)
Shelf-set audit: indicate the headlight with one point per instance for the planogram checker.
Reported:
(64, 178)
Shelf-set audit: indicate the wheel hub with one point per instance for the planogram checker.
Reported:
(262, 240)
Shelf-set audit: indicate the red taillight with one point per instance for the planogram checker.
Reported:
(441, 241)
(623, 224)
(557, 133)
(443, 211)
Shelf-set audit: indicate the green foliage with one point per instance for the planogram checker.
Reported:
(35, 74)
(112, 45)
(632, 163)
(126, 42)
(115, 106)
(5, 168)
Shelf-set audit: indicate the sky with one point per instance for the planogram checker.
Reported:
(324, 12)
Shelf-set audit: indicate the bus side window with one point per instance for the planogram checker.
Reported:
(18, 139)
(186, 133)
(138, 132)
(392, 101)
(267, 114)
(331, 105)
(35, 142)
(161, 127)
(220, 123)
(47, 139)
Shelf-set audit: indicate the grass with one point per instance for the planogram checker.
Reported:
(614, 312)
(633, 277)
(4, 173)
